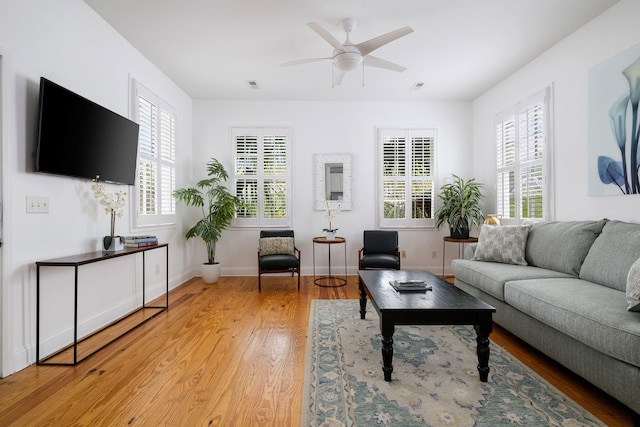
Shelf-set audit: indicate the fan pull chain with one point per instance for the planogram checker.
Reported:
(333, 75)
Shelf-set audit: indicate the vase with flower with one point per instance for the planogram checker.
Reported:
(330, 214)
(113, 204)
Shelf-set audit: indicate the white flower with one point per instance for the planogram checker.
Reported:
(113, 202)
(330, 214)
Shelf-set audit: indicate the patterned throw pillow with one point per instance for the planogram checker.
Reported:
(502, 244)
(276, 246)
(633, 287)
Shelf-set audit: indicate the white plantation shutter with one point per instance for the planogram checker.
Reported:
(156, 158)
(523, 137)
(532, 137)
(261, 176)
(421, 176)
(506, 162)
(147, 149)
(406, 177)
(394, 172)
(275, 176)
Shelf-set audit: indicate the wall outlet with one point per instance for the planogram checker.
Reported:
(434, 254)
(403, 254)
(37, 204)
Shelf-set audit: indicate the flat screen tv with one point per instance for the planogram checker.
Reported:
(79, 138)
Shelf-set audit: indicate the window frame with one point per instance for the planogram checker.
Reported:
(262, 133)
(408, 134)
(161, 217)
(521, 163)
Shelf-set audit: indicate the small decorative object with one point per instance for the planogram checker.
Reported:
(330, 214)
(461, 206)
(633, 287)
(493, 219)
(113, 205)
(218, 207)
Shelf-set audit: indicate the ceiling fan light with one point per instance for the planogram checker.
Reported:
(347, 61)
(347, 65)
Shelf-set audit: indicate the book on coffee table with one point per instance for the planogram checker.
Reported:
(410, 285)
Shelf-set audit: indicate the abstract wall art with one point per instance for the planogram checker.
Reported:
(614, 125)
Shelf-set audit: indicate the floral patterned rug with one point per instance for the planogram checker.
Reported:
(435, 380)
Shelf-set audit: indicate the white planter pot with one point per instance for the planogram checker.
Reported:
(116, 244)
(210, 272)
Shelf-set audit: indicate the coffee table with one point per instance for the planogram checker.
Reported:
(443, 305)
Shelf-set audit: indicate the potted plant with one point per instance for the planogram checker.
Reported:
(461, 206)
(218, 209)
(113, 205)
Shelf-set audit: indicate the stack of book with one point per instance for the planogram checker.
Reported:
(140, 241)
(410, 285)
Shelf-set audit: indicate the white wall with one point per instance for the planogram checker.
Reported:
(333, 127)
(67, 42)
(566, 66)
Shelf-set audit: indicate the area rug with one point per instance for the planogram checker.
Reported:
(434, 383)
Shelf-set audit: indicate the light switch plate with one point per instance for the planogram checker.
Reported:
(37, 204)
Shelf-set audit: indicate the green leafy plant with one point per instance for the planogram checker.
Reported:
(218, 206)
(461, 205)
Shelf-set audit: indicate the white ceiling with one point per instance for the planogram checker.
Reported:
(459, 48)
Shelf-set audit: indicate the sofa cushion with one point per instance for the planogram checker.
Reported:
(590, 313)
(612, 254)
(490, 277)
(561, 245)
(502, 244)
(633, 287)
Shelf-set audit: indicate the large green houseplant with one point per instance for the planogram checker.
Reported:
(218, 209)
(461, 206)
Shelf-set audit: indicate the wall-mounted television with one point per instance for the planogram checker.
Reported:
(79, 138)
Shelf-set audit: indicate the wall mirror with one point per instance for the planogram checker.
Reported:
(333, 180)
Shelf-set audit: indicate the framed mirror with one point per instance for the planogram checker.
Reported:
(332, 180)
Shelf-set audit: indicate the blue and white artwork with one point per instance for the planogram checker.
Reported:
(614, 125)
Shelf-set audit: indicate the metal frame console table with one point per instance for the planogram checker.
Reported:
(76, 261)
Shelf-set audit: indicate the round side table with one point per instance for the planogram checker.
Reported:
(460, 242)
(329, 281)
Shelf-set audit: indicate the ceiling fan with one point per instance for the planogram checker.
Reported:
(348, 56)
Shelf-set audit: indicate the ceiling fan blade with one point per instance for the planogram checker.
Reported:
(374, 61)
(338, 75)
(302, 61)
(376, 42)
(327, 36)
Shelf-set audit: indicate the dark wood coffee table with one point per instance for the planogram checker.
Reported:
(443, 305)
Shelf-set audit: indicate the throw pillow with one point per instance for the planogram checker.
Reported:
(276, 246)
(633, 287)
(504, 244)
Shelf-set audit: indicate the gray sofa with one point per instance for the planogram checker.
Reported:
(569, 299)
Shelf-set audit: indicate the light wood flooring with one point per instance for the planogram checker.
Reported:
(222, 355)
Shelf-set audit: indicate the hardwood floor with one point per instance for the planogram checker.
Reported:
(222, 355)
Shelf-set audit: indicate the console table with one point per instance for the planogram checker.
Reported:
(76, 261)
(340, 281)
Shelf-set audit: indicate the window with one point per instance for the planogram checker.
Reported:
(156, 181)
(523, 136)
(406, 169)
(262, 175)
